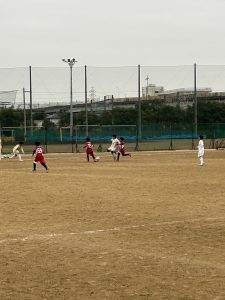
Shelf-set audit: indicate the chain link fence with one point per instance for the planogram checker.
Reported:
(153, 137)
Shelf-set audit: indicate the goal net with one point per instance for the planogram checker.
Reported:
(7, 98)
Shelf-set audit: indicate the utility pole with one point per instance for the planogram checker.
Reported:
(147, 79)
(71, 63)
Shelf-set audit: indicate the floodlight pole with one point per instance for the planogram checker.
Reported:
(195, 100)
(71, 63)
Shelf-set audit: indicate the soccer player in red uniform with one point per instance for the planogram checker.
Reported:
(39, 157)
(122, 150)
(89, 149)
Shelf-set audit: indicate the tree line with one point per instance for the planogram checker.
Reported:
(153, 112)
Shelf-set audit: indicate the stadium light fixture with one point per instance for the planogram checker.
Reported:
(71, 63)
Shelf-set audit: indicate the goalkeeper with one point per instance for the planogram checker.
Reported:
(17, 150)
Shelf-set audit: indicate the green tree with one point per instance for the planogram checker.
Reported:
(10, 117)
(47, 123)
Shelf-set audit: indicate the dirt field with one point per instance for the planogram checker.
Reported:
(149, 227)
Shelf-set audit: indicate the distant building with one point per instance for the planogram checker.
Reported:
(186, 91)
(152, 90)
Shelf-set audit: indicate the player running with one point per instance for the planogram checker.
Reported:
(122, 150)
(89, 149)
(17, 150)
(39, 157)
(114, 145)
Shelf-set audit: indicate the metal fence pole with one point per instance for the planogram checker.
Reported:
(76, 139)
(31, 102)
(86, 104)
(171, 137)
(46, 139)
(24, 116)
(72, 143)
(139, 102)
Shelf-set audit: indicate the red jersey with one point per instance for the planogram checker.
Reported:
(38, 151)
(89, 147)
(122, 147)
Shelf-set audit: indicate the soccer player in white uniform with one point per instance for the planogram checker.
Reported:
(201, 150)
(114, 145)
(17, 150)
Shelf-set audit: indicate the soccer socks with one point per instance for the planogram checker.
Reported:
(201, 160)
(34, 166)
(19, 157)
(45, 166)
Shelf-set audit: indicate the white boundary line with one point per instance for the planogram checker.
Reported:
(41, 237)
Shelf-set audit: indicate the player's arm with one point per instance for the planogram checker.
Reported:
(33, 152)
(22, 150)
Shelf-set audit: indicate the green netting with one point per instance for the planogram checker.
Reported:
(151, 137)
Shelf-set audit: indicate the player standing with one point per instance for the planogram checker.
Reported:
(17, 150)
(122, 150)
(39, 157)
(114, 145)
(201, 150)
(89, 149)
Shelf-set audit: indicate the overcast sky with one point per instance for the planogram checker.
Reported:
(112, 32)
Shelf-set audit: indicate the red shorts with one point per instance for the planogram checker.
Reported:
(89, 151)
(40, 159)
(122, 151)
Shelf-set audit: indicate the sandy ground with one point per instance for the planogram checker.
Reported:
(149, 227)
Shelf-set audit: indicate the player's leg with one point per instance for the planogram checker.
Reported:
(44, 165)
(12, 155)
(113, 154)
(92, 155)
(19, 157)
(126, 154)
(88, 157)
(34, 166)
(201, 160)
(118, 156)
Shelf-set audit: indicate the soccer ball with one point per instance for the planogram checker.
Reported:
(97, 158)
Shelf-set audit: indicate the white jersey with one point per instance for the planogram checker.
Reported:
(115, 143)
(17, 149)
(201, 149)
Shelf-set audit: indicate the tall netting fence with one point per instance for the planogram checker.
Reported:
(100, 95)
(153, 137)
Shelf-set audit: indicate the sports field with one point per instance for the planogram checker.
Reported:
(149, 227)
